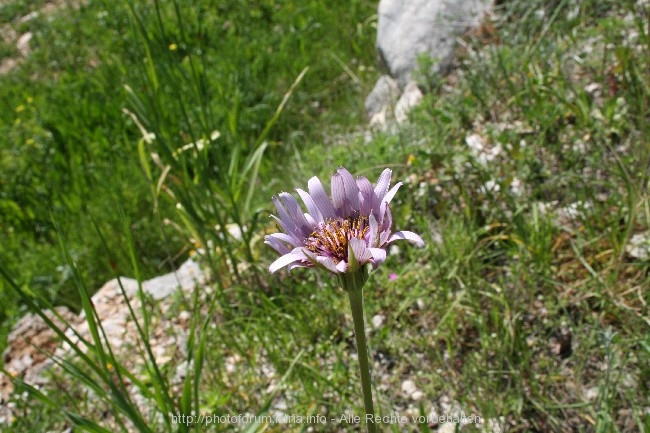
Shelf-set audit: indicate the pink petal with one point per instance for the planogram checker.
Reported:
(312, 222)
(373, 232)
(286, 220)
(320, 198)
(382, 186)
(378, 255)
(360, 251)
(297, 265)
(383, 237)
(327, 262)
(311, 206)
(351, 189)
(295, 256)
(383, 208)
(296, 214)
(409, 236)
(338, 195)
(389, 196)
(324, 262)
(284, 238)
(276, 244)
(367, 194)
(385, 218)
(290, 229)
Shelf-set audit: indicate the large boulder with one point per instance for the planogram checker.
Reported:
(410, 30)
(407, 30)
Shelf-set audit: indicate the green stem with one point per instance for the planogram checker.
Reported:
(355, 293)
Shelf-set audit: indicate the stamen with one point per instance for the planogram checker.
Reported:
(332, 237)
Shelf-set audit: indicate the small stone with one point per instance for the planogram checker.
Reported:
(480, 149)
(30, 16)
(280, 405)
(531, 340)
(410, 98)
(409, 387)
(27, 360)
(593, 88)
(417, 395)
(378, 321)
(516, 186)
(184, 316)
(475, 142)
(493, 425)
(638, 246)
(445, 404)
(629, 381)
(188, 276)
(23, 44)
(383, 95)
(448, 427)
(230, 363)
(591, 394)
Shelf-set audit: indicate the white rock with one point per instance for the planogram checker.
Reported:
(378, 320)
(593, 88)
(186, 278)
(516, 186)
(411, 97)
(417, 395)
(407, 30)
(23, 44)
(30, 16)
(639, 246)
(383, 95)
(475, 142)
(230, 363)
(591, 394)
(491, 186)
(409, 387)
(447, 427)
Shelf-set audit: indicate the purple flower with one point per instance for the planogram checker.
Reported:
(342, 234)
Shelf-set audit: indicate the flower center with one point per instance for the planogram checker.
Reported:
(331, 238)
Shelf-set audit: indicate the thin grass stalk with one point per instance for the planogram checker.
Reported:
(119, 394)
(232, 176)
(162, 394)
(74, 418)
(189, 198)
(118, 399)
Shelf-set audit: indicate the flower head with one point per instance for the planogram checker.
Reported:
(341, 234)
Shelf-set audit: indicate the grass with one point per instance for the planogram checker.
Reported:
(518, 310)
(69, 153)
